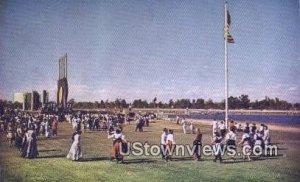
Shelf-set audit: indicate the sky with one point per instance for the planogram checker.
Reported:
(168, 49)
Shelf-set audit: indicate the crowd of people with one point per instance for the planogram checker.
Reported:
(251, 137)
(23, 129)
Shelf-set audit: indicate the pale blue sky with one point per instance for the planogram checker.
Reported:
(145, 49)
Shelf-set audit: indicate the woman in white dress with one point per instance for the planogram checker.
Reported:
(75, 152)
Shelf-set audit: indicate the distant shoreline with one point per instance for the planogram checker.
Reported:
(272, 126)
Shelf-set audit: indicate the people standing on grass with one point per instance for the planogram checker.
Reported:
(163, 142)
(75, 152)
(197, 144)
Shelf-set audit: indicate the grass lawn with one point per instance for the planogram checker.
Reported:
(52, 164)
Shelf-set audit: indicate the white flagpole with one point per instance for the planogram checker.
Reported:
(226, 67)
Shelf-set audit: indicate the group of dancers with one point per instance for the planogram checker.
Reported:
(23, 129)
(252, 138)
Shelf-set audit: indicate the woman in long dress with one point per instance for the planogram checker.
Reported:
(29, 148)
(75, 152)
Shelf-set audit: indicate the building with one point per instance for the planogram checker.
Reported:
(27, 101)
(19, 97)
(31, 101)
(45, 98)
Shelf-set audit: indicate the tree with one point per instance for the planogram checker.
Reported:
(200, 103)
(244, 101)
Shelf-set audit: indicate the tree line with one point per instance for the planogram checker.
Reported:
(241, 102)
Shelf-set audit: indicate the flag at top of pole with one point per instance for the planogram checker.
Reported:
(227, 27)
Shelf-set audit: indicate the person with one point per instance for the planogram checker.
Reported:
(192, 127)
(266, 135)
(246, 143)
(54, 127)
(258, 138)
(47, 129)
(261, 128)
(231, 125)
(177, 119)
(247, 128)
(119, 143)
(197, 144)
(75, 152)
(170, 145)
(163, 140)
(183, 123)
(104, 126)
(10, 134)
(30, 147)
(217, 141)
(231, 140)
(214, 126)
(223, 129)
(19, 137)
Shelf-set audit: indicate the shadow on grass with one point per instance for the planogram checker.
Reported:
(94, 159)
(139, 161)
(182, 158)
(51, 156)
(49, 150)
(253, 159)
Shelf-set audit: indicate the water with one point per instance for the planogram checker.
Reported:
(278, 119)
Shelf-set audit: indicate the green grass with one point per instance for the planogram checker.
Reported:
(52, 164)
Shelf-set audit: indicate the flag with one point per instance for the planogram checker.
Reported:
(226, 29)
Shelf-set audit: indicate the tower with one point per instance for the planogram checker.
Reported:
(62, 84)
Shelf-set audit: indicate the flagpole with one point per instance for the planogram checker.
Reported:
(226, 67)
